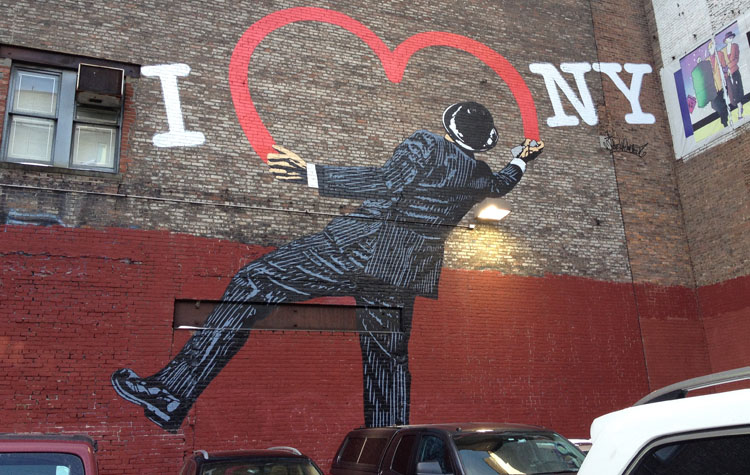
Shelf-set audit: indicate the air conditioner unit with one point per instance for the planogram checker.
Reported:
(100, 85)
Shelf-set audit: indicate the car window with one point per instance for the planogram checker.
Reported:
(372, 450)
(40, 463)
(189, 468)
(726, 454)
(516, 452)
(402, 456)
(250, 467)
(433, 449)
(351, 450)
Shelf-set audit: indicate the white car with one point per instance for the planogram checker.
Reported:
(667, 433)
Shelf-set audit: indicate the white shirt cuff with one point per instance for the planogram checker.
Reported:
(312, 176)
(519, 163)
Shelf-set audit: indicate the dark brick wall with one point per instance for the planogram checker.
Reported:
(647, 185)
(715, 192)
(322, 93)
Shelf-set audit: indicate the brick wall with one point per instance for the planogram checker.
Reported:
(80, 302)
(714, 192)
(337, 107)
(725, 313)
(647, 187)
(575, 305)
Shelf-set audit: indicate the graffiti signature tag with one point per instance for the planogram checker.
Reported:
(614, 144)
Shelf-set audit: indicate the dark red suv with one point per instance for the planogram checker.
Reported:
(272, 461)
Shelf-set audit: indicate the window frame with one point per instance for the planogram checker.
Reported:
(65, 119)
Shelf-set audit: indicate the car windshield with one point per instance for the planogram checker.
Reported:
(41, 463)
(261, 467)
(491, 453)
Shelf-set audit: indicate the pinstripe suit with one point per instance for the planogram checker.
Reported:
(386, 253)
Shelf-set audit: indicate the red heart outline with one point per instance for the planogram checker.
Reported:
(394, 63)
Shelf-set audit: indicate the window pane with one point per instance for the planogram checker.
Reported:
(402, 456)
(42, 463)
(727, 454)
(351, 450)
(93, 146)
(95, 114)
(432, 449)
(31, 139)
(373, 448)
(35, 93)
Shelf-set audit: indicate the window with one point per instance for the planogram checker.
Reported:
(402, 457)
(352, 449)
(40, 463)
(374, 446)
(720, 454)
(432, 449)
(50, 121)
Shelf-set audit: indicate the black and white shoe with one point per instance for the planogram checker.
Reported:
(159, 405)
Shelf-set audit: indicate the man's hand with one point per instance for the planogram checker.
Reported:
(528, 150)
(287, 165)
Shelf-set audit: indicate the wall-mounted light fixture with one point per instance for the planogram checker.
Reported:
(492, 209)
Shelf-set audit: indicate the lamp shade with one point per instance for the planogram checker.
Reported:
(492, 209)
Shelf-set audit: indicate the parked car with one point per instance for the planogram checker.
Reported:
(47, 454)
(459, 449)
(271, 461)
(668, 433)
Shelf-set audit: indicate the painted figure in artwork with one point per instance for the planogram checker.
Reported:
(718, 103)
(730, 57)
(384, 254)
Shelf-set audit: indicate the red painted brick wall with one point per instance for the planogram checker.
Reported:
(80, 303)
(726, 317)
(674, 340)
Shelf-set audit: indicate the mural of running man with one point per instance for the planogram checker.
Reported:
(384, 254)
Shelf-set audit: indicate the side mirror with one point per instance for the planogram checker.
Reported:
(429, 468)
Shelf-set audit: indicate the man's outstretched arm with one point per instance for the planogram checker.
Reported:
(341, 182)
(508, 177)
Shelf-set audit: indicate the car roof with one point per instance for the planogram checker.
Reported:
(618, 436)
(461, 427)
(273, 453)
(37, 442)
(681, 389)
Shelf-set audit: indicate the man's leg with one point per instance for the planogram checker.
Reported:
(168, 395)
(719, 104)
(385, 324)
(304, 269)
(740, 92)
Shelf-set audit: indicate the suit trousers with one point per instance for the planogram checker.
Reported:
(312, 266)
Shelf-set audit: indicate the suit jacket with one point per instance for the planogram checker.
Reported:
(732, 58)
(410, 205)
